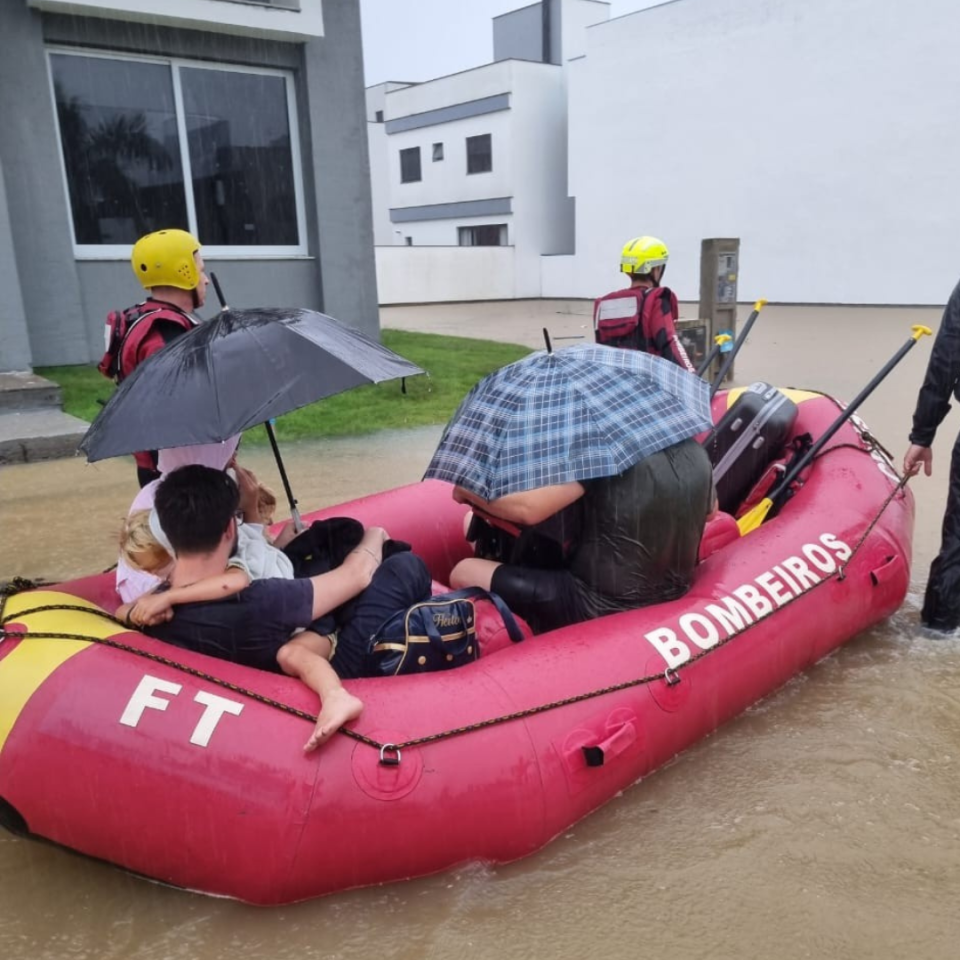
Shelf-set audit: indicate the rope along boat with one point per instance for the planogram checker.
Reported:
(189, 770)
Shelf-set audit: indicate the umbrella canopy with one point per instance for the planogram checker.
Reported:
(240, 369)
(583, 412)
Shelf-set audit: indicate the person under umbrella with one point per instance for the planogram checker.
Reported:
(238, 370)
(609, 430)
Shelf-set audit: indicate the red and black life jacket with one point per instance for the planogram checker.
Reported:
(641, 318)
(127, 329)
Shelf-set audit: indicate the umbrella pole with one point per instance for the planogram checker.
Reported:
(294, 512)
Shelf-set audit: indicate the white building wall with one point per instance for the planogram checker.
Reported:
(575, 17)
(444, 274)
(447, 181)
(543, 213)
(821, 133)
(376, 98)
(462, 87)
(443, 233)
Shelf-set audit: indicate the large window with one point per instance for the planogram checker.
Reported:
(153, 144)
(410, 165)
(487, 235)
(480, 154)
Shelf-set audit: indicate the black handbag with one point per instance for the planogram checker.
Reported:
(436, 634)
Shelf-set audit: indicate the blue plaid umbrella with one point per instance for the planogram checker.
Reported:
(582, 412)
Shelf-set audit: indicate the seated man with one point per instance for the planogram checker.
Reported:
(197, 508)
(638, 541)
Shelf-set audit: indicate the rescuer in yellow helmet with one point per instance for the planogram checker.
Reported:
(168, 264)
(643, 316)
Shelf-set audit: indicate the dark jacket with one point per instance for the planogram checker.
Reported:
(943, 376)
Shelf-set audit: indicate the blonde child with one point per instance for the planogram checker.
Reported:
(144, 546)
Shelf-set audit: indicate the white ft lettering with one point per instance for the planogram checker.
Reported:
(214, 707)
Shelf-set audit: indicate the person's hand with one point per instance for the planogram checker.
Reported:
(286, 533)
(377, 534)
(917, 457)
(151, 609)
(249, 494)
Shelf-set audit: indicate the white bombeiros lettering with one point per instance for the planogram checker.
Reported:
(214, 707)
(750, 601)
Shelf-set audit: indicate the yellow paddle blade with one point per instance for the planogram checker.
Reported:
(722, 338)
(750, 521)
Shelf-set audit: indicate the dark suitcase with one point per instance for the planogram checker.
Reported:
(751, 434)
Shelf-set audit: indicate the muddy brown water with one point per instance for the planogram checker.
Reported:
(824, 822)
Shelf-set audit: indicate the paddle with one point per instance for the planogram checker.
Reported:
(294, 512)
(728, 362)
(750, 521)
(718, 342)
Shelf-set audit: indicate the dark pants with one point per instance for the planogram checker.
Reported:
(941, 605)
(400, 581)
(546, 599)
(145, 476)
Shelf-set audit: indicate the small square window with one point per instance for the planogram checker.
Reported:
(480, 154)
(410, 165)
(409, 241)
(379, 116)
(437, 152)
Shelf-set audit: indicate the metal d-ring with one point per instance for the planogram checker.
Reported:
(671, 677)
(391, 761)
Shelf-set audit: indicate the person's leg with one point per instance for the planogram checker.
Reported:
(546, 599)
(941, 605)
(145, 476)
(400, 581)
(306, 657)
(473, 572)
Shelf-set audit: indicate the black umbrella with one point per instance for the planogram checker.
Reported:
(238, 370)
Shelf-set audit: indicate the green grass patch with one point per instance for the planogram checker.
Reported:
(453, 365)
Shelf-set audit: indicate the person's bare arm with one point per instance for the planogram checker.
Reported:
(527, 508)
(153, 608)
(353, 576)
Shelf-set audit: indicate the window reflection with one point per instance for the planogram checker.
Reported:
(240, 157)
(120, 145)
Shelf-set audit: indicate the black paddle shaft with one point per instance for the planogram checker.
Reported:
(702, 369)
(728, 362)
(851, 408)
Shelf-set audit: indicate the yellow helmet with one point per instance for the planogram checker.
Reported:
(641, 254)
(165, 259)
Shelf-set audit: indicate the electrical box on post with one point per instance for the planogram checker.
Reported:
(719, 273)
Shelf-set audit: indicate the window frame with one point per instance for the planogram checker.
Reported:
(437, 152)
(114, 251)
(478, 136)
(400, 153)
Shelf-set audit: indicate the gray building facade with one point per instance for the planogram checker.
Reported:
(113, 125)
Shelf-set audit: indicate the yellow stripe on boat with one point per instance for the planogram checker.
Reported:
(24, 671)
(797, 396)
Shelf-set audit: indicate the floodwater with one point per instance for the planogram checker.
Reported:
(824, 822)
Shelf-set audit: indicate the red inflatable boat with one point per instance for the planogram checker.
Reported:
(190, 771)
